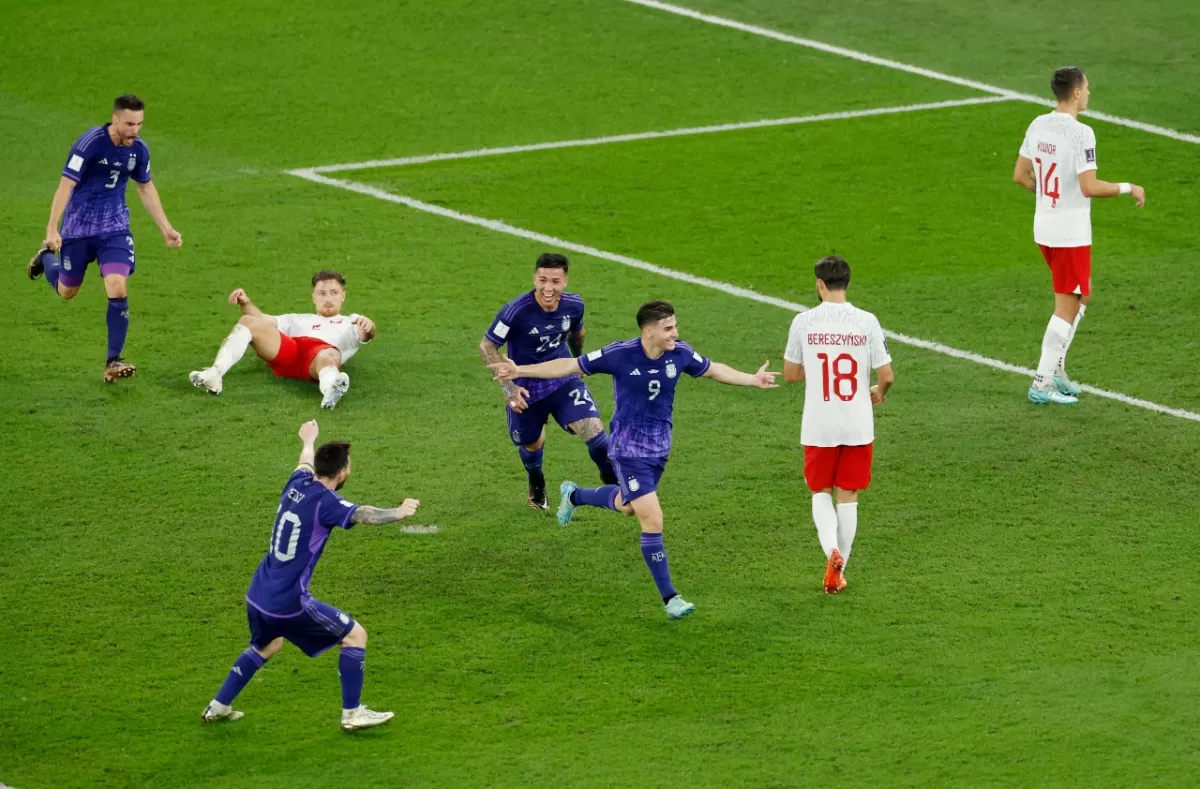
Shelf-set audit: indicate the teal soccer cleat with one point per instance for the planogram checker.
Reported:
(678, 608)
(1066, 386)
(1050, 397)
(566, 510)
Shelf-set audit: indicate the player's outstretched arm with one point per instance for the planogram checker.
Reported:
(1091, 186)
(376, 515)
(514, 395)
(62, 195)
(505, 370)
(150, 199)
(308, 434)
(242, 300)
(724, 374)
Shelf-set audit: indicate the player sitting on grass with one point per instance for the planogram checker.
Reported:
(304, 346)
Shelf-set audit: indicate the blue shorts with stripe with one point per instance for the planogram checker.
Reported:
(315, 629)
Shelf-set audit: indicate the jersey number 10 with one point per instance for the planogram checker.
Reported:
(845, 382)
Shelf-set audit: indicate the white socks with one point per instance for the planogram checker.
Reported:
(1054, 351)
(325, 378)
(826, 519)
(1061, 371)
(232, 349)
(847, 527)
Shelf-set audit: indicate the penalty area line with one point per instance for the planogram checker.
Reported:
(705, 282)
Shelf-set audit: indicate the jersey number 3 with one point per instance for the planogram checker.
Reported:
(845, 381)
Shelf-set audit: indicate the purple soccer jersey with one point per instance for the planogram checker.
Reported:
(534, 335)
(644, 391)
(308, 512)
(101, 171)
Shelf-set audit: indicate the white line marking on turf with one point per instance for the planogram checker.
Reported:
(898, 66)
(652, 135)
(733, 290)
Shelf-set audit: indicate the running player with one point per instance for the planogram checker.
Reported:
(90, 201)
(645, 371)
(304, 346)
(278, 604)
(835, 346)
(1057, 163)
(543, 324)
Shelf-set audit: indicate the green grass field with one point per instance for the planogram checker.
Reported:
(1023, 591)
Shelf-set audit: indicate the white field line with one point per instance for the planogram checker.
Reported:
(653, 135)
(898, 66)
(724, 287)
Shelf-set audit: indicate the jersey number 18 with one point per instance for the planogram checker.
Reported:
(845, 382)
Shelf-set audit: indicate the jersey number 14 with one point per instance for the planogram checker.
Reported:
(1044, 182)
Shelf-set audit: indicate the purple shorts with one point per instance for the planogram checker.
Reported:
(113, 251)
(638, 476)
(569, 403)
(314, 630)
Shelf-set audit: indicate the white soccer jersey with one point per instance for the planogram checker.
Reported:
(1060, 148)
(839, 345)
(340, 331)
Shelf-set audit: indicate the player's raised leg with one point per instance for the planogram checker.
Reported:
(650, 516)
(326, 367)
(116, 286)
(591, 431)
(244, 668)
(352, 663)
(259, 331)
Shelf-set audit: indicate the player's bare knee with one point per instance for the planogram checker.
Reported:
(357, 637)
(587, 429)
(330, 357)
(67, 292)
(271, 649)
(845, 496)
(536, 445)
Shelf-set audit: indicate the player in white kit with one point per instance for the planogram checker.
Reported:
(1057, 163)
(833, 348)
(304, 346)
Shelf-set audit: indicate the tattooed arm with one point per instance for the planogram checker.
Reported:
(575, 341)
(514, 395)
(376, 515)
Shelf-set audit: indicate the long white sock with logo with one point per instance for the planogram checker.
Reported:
(1061, 372)
(826, 519)
(1054, 349)
(325, 378)
(847, 515)
(232, 349)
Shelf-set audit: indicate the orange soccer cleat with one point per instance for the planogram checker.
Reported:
(834, 582)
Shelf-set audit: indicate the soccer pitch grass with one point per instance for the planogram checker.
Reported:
(1022, 594)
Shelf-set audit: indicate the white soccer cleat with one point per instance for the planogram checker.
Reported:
(208, 378)
(678, 608)
(217, 712)
(1050, 397)
(337, 387)
(363, 718)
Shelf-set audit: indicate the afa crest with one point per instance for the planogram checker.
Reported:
(566, 322)
(671, 372)
(132, 163)
(66, 264)
(634, 485)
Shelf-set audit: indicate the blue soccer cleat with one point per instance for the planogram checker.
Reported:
(678, 608)
(1066, 386)
(566, 510)
(1050, 397)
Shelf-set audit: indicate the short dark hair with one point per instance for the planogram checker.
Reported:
(325, 274)
(331, 458)
(833, 271)
(1066, 80)
(653, 312)
(552, 260)
(128, 101)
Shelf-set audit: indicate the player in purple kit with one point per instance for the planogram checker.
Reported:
(278, 603)
(543, 324)
(95, 225)
(645, 371)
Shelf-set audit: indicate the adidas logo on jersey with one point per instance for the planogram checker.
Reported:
(533, 330)
(636, 371)
(104, 161)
